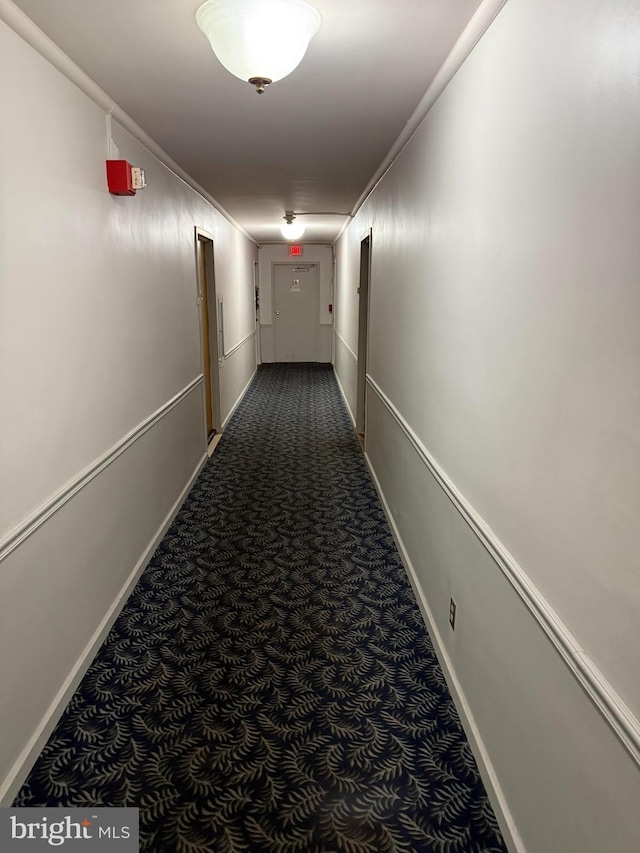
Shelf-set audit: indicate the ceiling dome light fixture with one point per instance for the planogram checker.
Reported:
(290, 230)
(259, 41)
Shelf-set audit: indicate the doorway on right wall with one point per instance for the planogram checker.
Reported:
(363, 335)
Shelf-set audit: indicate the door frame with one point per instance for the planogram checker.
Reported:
(209, 330)
(256, 287)
(364, 293)
(292, 266)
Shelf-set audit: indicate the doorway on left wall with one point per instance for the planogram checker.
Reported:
(209, 332)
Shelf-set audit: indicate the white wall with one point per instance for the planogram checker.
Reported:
(504, 360)
(271, 254)
(102, 425)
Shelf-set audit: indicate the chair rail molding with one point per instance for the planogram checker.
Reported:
(615, 711)
(346, 345)
(240, 344)
(58, 500)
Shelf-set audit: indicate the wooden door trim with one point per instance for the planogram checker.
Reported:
(364, 293)
(208, 327)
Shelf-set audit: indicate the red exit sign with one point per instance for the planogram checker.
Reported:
(295, 251)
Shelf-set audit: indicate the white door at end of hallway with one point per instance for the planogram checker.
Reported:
(295, 290)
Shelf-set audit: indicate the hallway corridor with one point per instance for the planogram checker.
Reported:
(270, 685)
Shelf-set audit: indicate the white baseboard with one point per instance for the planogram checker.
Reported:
(238, 401)
(344, 397)
(27, 758)
(494, 790)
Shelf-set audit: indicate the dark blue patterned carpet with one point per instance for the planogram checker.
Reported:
(269, 686)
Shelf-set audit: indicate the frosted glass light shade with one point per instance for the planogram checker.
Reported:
(292, 231)
(259, 38)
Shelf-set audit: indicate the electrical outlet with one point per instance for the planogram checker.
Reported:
(452, 613)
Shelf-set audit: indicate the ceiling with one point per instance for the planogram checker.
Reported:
(311, 142)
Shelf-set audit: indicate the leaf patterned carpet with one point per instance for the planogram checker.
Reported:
(270, 687)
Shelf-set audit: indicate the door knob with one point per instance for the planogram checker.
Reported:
(277, 313)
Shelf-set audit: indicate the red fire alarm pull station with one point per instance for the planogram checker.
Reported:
(123, 178)
(295, 251)
(119, 178)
